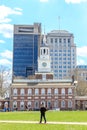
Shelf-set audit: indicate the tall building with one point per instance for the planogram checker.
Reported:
(25, 49)
(62, 52)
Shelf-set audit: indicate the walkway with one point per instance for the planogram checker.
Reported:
(36, 122)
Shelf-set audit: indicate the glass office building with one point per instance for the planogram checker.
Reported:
(25, 49)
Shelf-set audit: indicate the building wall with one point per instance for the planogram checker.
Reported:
(62, 52)
(25, 49)
(81, 72)
(51, 94)
(40, 76)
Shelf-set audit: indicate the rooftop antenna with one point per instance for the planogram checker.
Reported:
(59, 22)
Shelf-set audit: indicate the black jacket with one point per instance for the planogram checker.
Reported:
(42, 110)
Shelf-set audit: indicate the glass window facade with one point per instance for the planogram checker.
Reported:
(25, 54)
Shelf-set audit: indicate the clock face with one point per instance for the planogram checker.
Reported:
(44, 64)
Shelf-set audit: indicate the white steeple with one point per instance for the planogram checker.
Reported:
(44, 59)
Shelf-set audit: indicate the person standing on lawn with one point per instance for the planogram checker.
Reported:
(42, 113)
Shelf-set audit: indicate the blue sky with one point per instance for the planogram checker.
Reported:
(73, 18)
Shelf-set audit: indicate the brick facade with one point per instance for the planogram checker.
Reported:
(55, 95)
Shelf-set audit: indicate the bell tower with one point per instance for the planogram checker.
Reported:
(44, 58)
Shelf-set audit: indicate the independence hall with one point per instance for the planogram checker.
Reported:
(33, 81)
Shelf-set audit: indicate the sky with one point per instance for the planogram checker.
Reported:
(73, 18)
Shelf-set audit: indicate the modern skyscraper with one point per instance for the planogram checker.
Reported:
(25, 49)
(62, 52)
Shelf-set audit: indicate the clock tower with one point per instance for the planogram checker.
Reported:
(44, 58)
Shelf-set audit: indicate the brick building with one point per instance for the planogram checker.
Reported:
(56, 94)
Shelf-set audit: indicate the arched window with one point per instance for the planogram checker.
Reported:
(15, 104)
(29, 104)
(49, 91)
(36, 91)
(63, 104)
(63, 91)
(36, 105)
(22, 92)
(44, 51)
(56, 91)
(15, 91)
(49, 106)
(22, 105)
(69, 104)
(41, 51)
(43, 91)
(29, 91)
(69, 91)
(43, 102)
(56, 104)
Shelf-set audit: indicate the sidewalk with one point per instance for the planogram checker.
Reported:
(49, 122)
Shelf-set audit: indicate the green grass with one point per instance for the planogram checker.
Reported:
(64, 116)
(72, 116)
(5, 126)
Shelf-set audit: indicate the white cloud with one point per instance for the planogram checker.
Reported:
(82, 51)
(6, 58)
(82, 55)
(75, 1)
(44, 0)
(81, 62)
(18, 9)
(6, 11)
(5, 62)
(7, 54)
(6, 30)
(2, 41)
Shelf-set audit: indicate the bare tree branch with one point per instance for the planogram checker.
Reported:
(5, 80)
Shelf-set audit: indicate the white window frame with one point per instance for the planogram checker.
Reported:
(55, 91)
(29, 91)
(15, 104)
(49, 91)
(63, 91)
(42, 91)
(69, 91)
(22, 92)
(22, 105)
(69, 103)
(15, 92)
(36, 91)
(63, 104)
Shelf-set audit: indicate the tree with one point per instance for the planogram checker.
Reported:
(81, 88)
(5, 80)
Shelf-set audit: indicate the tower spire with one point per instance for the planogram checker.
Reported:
(44, 38)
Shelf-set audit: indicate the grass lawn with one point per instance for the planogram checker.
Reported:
(5, 126)
(64, 116)
(72, 116)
